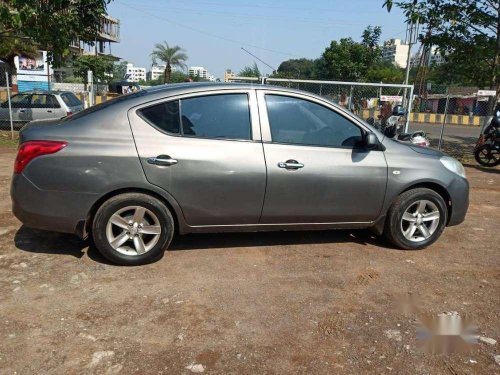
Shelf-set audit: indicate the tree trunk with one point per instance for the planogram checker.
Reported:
(168, 73)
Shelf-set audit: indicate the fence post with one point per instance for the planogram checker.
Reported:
(444, 119)
(10, 106)
(410, 103)
(350, 98)
(320, 89)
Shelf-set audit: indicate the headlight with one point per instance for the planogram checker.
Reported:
(453, 165)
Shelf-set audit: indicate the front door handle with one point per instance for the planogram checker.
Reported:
(163, 160)
(291, 164)
(49, 110)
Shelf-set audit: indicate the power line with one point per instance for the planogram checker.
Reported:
(262, 61)
(204, 32)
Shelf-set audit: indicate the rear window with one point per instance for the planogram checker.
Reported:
(225, 116)
(70, 99)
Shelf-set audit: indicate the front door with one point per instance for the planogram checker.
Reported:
(205, 150)
(317, 171)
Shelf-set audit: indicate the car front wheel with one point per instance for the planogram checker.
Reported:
(416, 219)
(132, 229)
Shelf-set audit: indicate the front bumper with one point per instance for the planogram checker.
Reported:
(57, 211)
(459, 195)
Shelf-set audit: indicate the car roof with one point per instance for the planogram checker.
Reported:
(44, 92)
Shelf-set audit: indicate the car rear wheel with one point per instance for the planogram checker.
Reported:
(416, 219)
(132, 229)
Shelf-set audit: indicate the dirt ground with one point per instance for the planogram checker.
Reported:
(267, 303)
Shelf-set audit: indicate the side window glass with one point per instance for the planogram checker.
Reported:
(301, 122)
(52, 102)
(225, 116)
(165, 116)
(40, 101)
(19, 101)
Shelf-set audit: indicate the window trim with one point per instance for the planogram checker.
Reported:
(266, 126)
(255, 130)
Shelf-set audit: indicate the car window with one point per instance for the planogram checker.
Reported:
(224, 116)
(17, 101)
(302, 122)
(70, 99)
(164, 116)
(41, 101)
(52, 102)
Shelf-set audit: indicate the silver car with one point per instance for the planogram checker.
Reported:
(192, 158)
(39, 105)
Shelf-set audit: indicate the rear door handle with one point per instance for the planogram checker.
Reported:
(49, 110)
(290, 164)
(22, 111)
(163, 160)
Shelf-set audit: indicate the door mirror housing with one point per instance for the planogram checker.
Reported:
(371, 141)
(398, 110)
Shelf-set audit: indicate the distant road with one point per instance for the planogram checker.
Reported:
(450, 131)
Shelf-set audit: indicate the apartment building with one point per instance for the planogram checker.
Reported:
(135, 73)
(198, 71)
(396, 52)
(228, 74)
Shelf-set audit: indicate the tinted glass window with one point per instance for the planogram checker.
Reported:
(301, 122)
(52, 102)
(41, 101)
(164, 116)
(216, 116)
(71, 100)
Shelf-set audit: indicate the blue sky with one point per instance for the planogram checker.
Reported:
(213, 31)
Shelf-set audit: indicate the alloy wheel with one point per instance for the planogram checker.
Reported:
(133, 230)
(420, 221)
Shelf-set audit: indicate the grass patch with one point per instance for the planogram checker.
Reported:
(6, 140)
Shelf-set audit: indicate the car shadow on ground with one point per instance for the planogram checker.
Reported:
(255, 239)
(45, 242)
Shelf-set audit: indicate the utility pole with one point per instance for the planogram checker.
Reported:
(411, 38)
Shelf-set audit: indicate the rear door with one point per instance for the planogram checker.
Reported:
(318, 172)
(205, 150)
(43, 106)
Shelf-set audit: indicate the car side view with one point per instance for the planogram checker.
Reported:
(193, 158)
(39, 105)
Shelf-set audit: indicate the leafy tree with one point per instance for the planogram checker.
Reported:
(466, 32)
(27, 25)
(171, 56)
(101, 66)
(250, 71)
(385, 72)
(119, 70)
(371, 37)
(348, 60)
(297, 68)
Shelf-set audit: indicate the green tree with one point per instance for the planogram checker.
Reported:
(171, 56)
(385, 72)
(27, 25)
(119, 70)
(250, 71)
(347, 60)
(297, 68)
(101, 66)
(466, 32)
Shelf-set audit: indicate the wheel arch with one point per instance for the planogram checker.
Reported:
(438, 188)
(83, 227)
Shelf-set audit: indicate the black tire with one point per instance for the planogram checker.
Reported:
(393, 228)
(485, 156)
(113, 205)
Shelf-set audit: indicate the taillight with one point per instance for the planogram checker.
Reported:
(32, 149)
(69, 113)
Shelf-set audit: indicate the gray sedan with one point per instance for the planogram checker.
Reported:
(186, 158)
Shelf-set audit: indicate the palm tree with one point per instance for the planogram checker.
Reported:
(171, 56)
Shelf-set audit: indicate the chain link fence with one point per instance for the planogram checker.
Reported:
(460, 109)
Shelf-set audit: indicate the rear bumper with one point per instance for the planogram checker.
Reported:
(459, 194)
(56, 211)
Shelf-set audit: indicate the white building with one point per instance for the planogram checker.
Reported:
(395, 52)
(435, 58)
(135, 73)
(198, 71)
(158, 71)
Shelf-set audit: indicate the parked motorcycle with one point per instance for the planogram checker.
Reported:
(393, 129)
(487, 150)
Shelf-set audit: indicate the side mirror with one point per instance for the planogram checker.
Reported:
(371, 141)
